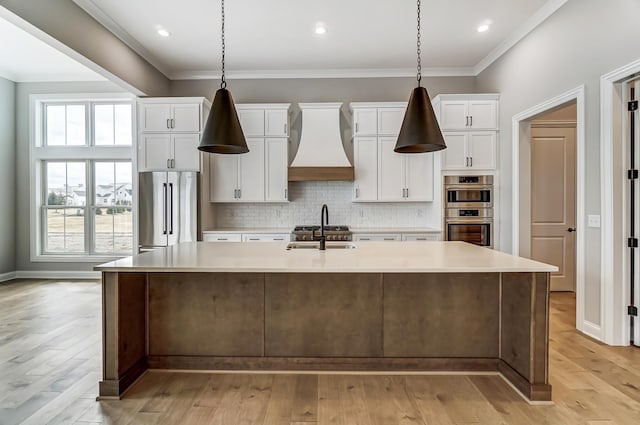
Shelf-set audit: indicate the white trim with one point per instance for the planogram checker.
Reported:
(548, 9)
(614, 296)
(7, 276)
(39, 274)
(577, 94)
(592, 330)
(58, 45)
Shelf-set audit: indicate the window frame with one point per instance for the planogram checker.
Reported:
(40, 153)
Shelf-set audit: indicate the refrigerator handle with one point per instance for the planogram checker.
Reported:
(164, 208)
(171, 208)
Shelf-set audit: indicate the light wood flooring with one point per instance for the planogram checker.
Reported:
(50, 366)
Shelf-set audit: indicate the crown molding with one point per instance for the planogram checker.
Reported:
(323, 73)
(105, 20)
(548, 9)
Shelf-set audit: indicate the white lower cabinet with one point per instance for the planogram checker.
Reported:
(377, 237)
(222, 237)
(280, 237)
(421, 237)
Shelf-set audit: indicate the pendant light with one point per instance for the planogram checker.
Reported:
(222, 132)
(420, 131)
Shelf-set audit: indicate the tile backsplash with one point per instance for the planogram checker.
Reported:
(306, 199)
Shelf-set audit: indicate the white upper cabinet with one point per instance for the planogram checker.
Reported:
(467, 112)
(163, 117)
(261, 175)
(382, 175)
(170, 133)
(470, 151)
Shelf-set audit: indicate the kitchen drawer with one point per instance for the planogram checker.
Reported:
(274, 237)
(421, 237)
(222, 237)
(377, 237)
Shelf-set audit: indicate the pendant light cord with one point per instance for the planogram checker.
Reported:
(223, 82)
(419, 73)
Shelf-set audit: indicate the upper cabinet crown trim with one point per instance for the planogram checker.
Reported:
(359, 105)
(263, 106)
(175, 100)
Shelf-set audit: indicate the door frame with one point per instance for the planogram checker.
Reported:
(614, 267)
(521, 133)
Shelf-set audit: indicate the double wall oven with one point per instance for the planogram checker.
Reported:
(468, 209)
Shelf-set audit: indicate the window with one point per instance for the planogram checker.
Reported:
(83, 168)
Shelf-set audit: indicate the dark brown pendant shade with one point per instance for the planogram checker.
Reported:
(420, 131)
(222, 132)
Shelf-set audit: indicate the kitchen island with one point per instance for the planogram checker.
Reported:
(381, 306)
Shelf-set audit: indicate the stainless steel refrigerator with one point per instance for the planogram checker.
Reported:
(168, 208)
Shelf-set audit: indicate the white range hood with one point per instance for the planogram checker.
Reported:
(320, 153)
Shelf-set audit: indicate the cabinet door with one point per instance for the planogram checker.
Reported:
(378, 237)
(365, 122)
(390, 121)
(223, 171)
(154, 152)
(252, 122)
(276, 176)
(276, 122)
(156, 117)
(483, 114)
(390, 171)
(186, 118)
(186, 156)
(482, 150)
(421, 237)
(221, 237)
(251, 176)
(453, 114)
(419, 175)
(454, 157)
(276, 237)
(365, 164)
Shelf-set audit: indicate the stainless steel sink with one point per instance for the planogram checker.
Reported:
(316, 245)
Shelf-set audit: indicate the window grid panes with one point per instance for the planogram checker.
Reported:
(86, 204)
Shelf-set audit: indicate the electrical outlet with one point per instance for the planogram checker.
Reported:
(593, 221)
(420, 213)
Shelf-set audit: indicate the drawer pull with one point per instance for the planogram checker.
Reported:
(223, 239)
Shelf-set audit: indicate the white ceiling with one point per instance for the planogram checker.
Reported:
(25, 58)
(276, 37)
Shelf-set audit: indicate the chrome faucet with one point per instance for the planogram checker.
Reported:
(324, 215)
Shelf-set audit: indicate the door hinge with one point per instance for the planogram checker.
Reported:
(632, 310)
(632, 242)
(633, 105)
(632, 174)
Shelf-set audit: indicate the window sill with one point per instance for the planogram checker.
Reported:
(75, 258)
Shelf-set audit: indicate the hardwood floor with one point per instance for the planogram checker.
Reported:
(50, 364)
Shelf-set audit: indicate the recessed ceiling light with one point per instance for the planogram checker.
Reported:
(483, 28)
(163, 32)
(321, 28)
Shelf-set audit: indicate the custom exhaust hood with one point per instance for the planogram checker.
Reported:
(320, 154)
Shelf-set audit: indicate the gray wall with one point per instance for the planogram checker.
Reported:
(7, 176)
(23, 235)
(69, 24)
(582, 41)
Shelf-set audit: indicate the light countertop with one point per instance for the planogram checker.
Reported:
(369, 257)
(270, 230)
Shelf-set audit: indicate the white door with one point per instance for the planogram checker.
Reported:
(483, 114)
(366, 122)
(390, 121)
(481, 149)
(186, 156)
(251, 121)
(454, 157)
(156, 117)
(186, 117)
(553, 203)
(276, 161)
(251, 176)
(419, 177)
(275, 122)
(453, 114)
(155, 152)
(390, 171)
(223, 172)
(365, 165)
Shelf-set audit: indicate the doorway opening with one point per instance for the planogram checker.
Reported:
(632, 201)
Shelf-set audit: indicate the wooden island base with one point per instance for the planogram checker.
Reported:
(327, 322)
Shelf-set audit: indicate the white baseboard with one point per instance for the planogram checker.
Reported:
(592, 330)
(7, 276)
(28, 274)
